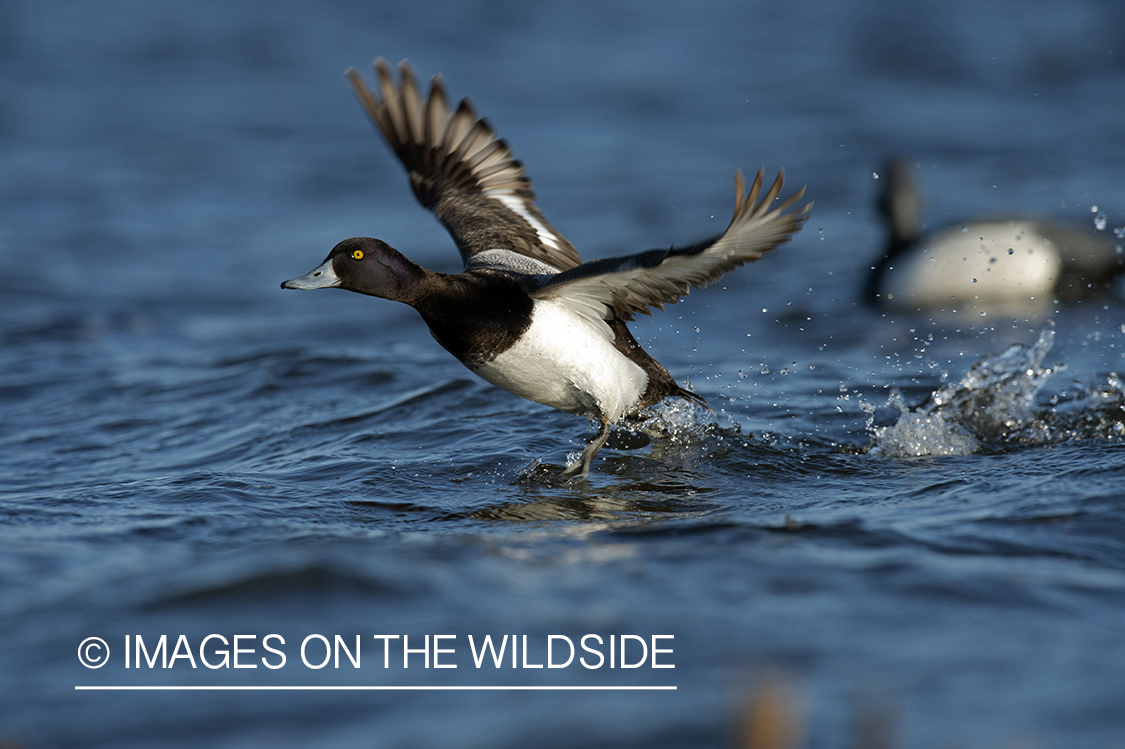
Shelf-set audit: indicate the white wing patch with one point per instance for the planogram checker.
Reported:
(517, 206)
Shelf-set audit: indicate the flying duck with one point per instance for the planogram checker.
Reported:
(1013, 263)
(526, 314)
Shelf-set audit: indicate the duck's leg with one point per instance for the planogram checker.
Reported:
(582, 467)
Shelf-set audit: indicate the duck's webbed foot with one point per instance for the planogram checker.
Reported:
(582, 466)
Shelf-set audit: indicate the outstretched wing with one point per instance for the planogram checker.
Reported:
(460, 169)
(622, 286)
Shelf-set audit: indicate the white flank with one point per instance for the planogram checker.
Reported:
(564, 362)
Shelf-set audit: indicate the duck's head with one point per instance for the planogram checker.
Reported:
(366, 265)
(901, 202)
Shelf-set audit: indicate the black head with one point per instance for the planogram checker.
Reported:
(366, 265)
(901, 202)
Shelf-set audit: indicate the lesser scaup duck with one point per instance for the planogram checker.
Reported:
(1009, 263)
(526, 314)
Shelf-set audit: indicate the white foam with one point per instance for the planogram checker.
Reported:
(993, 403)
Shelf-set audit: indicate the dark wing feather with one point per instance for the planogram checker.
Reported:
(460, 169)
(622, 286)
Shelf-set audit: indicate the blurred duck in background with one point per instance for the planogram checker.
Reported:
(1016, 264)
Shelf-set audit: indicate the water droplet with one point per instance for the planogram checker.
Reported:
(1120, 232)
(875, 175)
(964, 229)
(1100, 222)
(1011, 251)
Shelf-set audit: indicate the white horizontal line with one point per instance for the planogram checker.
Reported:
(370, 689)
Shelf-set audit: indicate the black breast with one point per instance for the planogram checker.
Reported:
(476, 315)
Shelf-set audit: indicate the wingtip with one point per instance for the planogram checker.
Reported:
(792, 200)
(383, 69)
(363, 93)
(406, 73)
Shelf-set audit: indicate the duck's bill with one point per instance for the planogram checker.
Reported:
(323, 277)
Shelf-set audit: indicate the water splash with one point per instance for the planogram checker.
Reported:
(676, 419)
(994, 406)
(925, 431)
(1100, 219)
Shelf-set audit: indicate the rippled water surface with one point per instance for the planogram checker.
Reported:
(908, 522)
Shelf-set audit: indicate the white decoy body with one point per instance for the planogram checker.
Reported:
(1004, 263)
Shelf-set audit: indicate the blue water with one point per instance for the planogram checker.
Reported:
(187, 450)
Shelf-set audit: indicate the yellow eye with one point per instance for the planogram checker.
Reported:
(358, 254)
